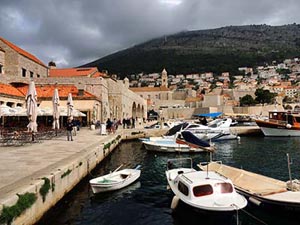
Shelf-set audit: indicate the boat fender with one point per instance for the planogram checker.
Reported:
(255, 201)
(175, 202)
(288, 126)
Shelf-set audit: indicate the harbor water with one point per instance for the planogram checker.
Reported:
(148, 200)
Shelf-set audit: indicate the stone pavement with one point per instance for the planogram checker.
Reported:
(20, 165)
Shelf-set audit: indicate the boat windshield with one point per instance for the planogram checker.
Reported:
(223, 188)
(202, 190)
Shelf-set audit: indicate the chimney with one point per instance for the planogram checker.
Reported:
(52, 65)
(80, 88)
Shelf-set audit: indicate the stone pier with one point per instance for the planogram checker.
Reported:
(50, 169)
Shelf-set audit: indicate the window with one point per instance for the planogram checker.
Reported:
(31, 74)
(23, 72)
(203, 190)
(38, 75)
(183, 188)
(223, 188)
(1, 70)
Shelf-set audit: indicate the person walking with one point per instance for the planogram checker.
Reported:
(69, 129)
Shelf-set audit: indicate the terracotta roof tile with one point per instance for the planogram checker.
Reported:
(192, 99)
(22, 52)
(10, 90)
(75, 72)
(149, 89)
(46, 91)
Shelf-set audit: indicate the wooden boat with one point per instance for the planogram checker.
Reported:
(205, 191)
(281, 123)
(115, 180)
(261, 190)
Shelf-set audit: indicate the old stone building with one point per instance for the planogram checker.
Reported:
(20, 64)
(96, 94)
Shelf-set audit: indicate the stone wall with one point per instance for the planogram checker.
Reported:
(62, 180)
(33, 69)
(14, 62)
(2, 60)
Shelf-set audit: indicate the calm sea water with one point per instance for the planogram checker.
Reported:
(148, 201)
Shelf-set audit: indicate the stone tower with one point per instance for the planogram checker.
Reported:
(164, 78)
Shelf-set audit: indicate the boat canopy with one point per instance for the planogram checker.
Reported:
(177, 128)
(213, 115)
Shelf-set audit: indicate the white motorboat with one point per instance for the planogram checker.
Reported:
(216, 130)
(183, 141)
(115, 180)
(168, 145)
(262, 191)
(204, 190)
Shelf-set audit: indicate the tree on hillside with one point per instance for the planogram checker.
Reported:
(264, 96)
(247, 100)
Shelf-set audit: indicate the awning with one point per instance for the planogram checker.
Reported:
(213, 115)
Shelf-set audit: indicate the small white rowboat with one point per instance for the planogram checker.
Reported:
(115, 180)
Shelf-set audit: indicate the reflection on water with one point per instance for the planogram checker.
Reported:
(147, 201)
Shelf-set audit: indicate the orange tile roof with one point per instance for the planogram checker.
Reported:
(75, 72)
(46, 91)
(192, 99)
(10, 90)
(22, 52)
(149, 89)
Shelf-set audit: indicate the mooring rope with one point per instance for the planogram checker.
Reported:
(254, 217)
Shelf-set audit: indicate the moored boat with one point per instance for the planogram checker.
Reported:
(281, 123)
(205, 191)
(115, 180)
(183, 141)
(262, 191)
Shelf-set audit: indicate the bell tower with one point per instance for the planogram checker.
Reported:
(164, 78)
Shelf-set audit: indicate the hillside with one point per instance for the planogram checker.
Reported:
(215, 50)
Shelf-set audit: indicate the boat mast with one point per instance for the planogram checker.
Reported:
(289, 168)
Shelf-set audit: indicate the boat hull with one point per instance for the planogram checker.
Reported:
(277, 130)
(217, 204)
(262, 191)
(169, 147)
(97, 187)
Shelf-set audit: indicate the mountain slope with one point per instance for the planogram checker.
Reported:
(215, 50)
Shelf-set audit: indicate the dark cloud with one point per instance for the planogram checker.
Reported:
(74, 32)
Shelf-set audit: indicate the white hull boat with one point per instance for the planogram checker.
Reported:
(262, 191)
(168, 145)
(183, 141)
(281, 124)
(217, 130)
(115, 180)
(203, 190)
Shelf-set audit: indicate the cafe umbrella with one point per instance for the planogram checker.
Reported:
(31, 108)
(56, 111)
(70, 107)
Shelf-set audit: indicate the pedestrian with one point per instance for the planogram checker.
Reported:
(124, 123)
(109, 125)
(69, 129)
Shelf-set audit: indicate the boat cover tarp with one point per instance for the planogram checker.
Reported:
(176, 129)
(252, 183)
(191, 140)
(213, 115)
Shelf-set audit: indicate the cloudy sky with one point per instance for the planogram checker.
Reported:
(75, 32)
